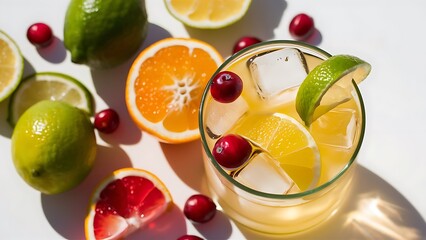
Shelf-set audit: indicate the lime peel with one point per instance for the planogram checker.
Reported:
(53, 146)
(104, 34)
(7, 86)
(48, 86)
(328, 84)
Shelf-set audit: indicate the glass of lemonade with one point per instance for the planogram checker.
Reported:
(296, 176)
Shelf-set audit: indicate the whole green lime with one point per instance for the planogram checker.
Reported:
(104, 33)
(53, 146)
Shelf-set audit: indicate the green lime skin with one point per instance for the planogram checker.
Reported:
(53, 146)
(104, 33)
(322, 77)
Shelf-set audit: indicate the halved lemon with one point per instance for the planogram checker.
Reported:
(165, 84)
(48, 86)
(328, 85)
(208, 13)
(11, 65)
(288, 142)
(124, 202)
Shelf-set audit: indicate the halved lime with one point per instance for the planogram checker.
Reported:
(328, 85)
(48, 86)
(11, 65)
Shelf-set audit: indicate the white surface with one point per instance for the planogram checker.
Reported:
(389, 34)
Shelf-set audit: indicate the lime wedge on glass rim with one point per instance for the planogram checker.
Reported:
(48, 86)
(328, 85)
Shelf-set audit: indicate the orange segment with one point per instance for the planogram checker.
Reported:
(165, 84)
(125, 201)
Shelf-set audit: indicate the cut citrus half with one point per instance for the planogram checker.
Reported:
(328, 85)
(124, 202)
(208, 13)
(11, 65)
(288, 142)
(165, 84)
(48, 86)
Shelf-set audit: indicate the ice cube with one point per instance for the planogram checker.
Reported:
(263, 174)
(336, 128)
(276, 71)
(220, 117)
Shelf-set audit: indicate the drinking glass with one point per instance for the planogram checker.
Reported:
(269, 213)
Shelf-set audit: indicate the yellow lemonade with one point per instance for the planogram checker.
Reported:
(297, 175)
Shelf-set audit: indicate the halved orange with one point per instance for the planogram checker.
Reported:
(125, 201)
(165, 84)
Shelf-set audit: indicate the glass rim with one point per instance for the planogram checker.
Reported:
(271, 195)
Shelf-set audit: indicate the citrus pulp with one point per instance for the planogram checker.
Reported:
(288, 142)
(11, 65)
(165, 84)
(208, 13)
(48, 86)
(125, 201)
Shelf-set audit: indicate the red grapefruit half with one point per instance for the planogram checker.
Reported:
(125, 201)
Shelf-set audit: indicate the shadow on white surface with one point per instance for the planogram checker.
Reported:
(173, 225)
(374, 210)
(218, 228)
(28, 68)
(250, 25)
(187, 162)
(315, 38)
(110, 86)
(5, 129)
(55, 52)
(65, 212)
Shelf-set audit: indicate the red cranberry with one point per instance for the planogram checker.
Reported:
(189, 237)
(245, 42)
(232, 151)
(40, 34)
(226, 87)
(302, 26)
(107, 121)
(199, 208)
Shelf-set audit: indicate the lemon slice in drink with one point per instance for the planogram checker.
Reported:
(48, 86)
(288, 142)
(205, 14)
(329, 85)
(11, 66)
